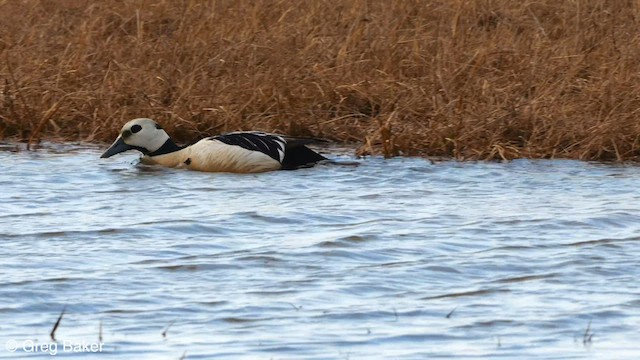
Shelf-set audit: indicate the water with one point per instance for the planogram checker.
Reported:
(398, 258)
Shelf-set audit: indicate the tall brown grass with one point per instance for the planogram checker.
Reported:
(471, 79)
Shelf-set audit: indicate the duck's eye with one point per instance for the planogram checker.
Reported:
(136, 128)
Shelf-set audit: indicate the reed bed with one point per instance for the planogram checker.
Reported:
(469, 79)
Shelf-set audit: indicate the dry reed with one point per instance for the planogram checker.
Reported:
(470, 79)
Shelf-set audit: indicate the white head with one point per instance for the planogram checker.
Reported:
(144, 135)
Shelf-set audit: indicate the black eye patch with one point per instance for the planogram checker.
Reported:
(136, 128)
(158, 127)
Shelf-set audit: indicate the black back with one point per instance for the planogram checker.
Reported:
(272, 145)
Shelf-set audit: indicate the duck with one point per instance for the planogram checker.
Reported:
(234, 152)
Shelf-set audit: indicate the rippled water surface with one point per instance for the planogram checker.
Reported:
(397, 259)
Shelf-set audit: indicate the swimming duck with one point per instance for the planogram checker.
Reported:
(238, 152)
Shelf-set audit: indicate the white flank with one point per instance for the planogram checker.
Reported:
(216, 156)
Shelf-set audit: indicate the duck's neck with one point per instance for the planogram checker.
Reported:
(168, 147)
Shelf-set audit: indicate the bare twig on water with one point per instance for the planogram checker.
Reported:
(295, 307)
(164, 333)
(55, 326)
(395, 314)
(451, 313)
(100, 332)
(588, 335)
(184, 355)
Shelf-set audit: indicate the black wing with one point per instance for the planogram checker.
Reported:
(272, 145)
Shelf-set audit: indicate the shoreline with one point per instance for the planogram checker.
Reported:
(331, 149)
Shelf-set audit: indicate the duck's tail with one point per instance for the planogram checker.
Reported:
(299, 156)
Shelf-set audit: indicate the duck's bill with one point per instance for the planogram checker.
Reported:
(117, 147)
